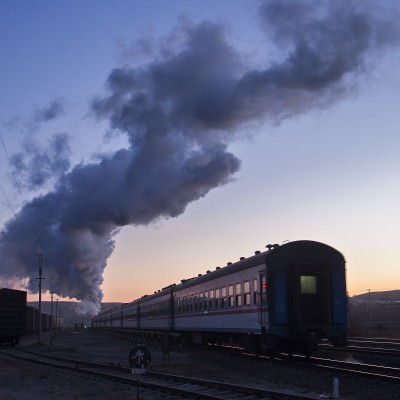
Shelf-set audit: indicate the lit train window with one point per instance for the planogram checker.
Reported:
(205, 300)
(308, 284)
(230, 296)
(223, 297)
(217, 291)
(246, 290)
(238, 294)
(211, 301)
(255, 291)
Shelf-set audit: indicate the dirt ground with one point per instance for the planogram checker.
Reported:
(21, 380)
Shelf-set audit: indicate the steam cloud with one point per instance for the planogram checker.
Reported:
(35, 165)
(52, 111)
(180, 113)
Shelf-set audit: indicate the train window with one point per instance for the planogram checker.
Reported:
(263, 283)
(211, 301)
(217, 291)
(246, 290)
(238, 295)
(205, 300)
(308, 284)
(223, 297)
(179, 306)
(263, 289)
(200, 301)
(255, 291)
(230, 296)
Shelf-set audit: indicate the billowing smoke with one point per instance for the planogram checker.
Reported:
(52, 111)
(180, 113)
(36, 165)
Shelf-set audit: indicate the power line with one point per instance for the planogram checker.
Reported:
(12, 170)
(8, 201)
(19, 190)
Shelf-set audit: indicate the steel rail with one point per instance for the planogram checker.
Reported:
(182, 386)
(377, 372)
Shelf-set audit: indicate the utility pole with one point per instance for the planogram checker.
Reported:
(56, 314)
(51, 316)
(369, 307)
(40, 258)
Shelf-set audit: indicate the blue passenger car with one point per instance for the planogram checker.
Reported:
(284, 299)
(305, 295)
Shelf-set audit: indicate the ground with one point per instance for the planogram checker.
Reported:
(21, 380)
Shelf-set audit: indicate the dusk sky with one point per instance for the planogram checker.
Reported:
(144, 142)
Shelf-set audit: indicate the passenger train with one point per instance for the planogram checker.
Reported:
(285, 299)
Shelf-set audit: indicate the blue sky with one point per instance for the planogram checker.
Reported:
(328, 171)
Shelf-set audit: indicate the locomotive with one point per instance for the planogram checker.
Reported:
(285, 299)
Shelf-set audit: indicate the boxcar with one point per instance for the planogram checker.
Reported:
(12, 315)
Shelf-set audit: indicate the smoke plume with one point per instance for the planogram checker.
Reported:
(180, 113)
(52, 111)
(36, 165)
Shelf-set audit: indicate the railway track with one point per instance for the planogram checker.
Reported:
(381, 347)
(363, 370)
(180, 386)
(379, 372)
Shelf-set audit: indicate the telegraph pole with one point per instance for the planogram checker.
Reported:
(51, 316)
(40, 258)
(56, 314)
(369, 307)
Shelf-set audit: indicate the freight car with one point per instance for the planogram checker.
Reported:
(32, 320)
(12, 315)
(48, 322)
(284, 299)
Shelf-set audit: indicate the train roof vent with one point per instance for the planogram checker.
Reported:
(199, 275)
(269, 246)
(229, 263)
(242, 258)
(257, 252)
(218, 268)
(276, 245)
(208, 271)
